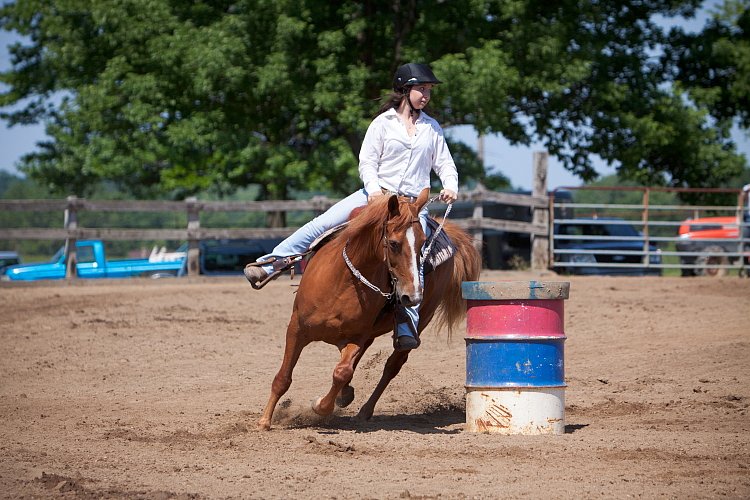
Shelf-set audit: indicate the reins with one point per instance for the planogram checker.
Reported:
(422, 258)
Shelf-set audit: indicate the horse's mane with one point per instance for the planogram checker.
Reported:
(364, 232)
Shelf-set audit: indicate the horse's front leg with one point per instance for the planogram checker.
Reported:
(346, 394)
(283, 378)
(395, 361)
(342, 375)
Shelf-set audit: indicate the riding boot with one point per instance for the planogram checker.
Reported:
(405, 334)
(259, 273)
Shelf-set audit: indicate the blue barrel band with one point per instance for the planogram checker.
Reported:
(511, 362)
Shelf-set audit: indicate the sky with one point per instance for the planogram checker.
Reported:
(515, 162)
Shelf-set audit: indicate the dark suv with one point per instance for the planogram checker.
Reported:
(586, 246)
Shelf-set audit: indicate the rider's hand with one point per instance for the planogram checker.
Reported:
(372, 196)
(448, 196)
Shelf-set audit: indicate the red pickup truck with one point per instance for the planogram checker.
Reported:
(718, 240)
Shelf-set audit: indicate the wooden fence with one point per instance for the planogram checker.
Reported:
(71, 231)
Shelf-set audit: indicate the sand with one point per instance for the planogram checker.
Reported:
(151, 389)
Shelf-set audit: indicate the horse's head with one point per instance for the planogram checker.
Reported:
(403, 238)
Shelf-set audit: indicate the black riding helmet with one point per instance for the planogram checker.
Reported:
(412, 74)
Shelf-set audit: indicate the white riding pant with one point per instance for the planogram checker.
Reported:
(299, 241)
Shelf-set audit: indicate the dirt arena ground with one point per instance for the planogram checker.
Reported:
(151, 389)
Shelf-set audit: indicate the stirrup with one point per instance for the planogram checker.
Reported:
(279, 266)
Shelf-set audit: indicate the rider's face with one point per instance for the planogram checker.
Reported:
(420, 95)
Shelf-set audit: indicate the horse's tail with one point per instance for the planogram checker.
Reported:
(467, 264)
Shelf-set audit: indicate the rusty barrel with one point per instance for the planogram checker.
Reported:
(515, 363)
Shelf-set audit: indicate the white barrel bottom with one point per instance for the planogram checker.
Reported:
(516, 410)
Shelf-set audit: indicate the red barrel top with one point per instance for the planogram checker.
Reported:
(515, 309)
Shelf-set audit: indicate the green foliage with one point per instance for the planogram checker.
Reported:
(14, 187)
(170, 99)
(714, 65)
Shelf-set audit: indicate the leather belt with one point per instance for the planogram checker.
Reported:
(410, 199)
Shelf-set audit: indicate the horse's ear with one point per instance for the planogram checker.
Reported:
(393, 206)
(422, 198)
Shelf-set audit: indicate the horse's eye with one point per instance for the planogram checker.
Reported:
(394, 246)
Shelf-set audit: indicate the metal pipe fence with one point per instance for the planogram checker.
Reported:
(647, 237)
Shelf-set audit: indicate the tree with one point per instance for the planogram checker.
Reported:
(472, 170)
(714, 65)
(171, 98)
(584, 80)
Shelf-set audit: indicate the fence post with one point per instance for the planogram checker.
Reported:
(646, 259)
(743, 218)
(193, 226)
(477, 197)
(70, 223)
(540, 244)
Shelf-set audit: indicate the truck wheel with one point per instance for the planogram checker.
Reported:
(705, 261)
(160, 274)
(687, 271)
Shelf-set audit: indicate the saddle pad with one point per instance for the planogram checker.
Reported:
(442, 248)
(323, 238)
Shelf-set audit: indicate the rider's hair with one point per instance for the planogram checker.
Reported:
(392, 101)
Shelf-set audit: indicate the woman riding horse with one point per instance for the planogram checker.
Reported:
(345, 297)
(402, 145)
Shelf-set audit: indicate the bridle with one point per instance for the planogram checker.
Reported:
(386, 256)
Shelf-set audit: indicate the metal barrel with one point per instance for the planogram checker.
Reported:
(515, 360)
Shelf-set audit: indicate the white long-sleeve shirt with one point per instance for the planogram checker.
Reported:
(393, 160)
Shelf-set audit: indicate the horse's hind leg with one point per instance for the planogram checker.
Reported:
(283, 378)
(391, 369)
(346, 394)
(342, 375)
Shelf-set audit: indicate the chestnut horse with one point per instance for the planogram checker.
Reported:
(336, 306)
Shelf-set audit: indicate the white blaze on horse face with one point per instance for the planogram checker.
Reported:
(411, 238)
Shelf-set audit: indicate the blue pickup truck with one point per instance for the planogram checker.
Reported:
(92, 263)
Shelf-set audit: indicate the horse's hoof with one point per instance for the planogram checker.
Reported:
(364, 415)
(320, 410)
(345, 397)
(317, 409)
(264, 426)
